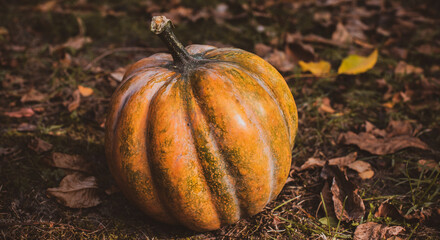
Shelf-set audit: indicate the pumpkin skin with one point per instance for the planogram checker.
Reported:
(205, 144)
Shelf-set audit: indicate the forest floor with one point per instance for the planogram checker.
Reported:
(366, 158)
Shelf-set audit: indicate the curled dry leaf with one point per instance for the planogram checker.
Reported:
(6, 151)
(347, 203)
(26, 127)
(378, 146)
(355, 64)
(316, 68)
(398, 135)
(325, 106)
(74, 104)
(118, 74)
(376, 231)
(33, 95)
(388, 210)
(364, 169)
(39, 146)
(428, 164)
(72, 162)
(85, 91)
(280, 61)
(76, 190)
(403, 68)
(74, 42)
(341, 34)
(24, 112)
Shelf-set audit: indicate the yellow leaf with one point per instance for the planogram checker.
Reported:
(316, 68)
(85, 91)
(355, 64)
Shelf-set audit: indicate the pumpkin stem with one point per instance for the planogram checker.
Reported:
(161, 26)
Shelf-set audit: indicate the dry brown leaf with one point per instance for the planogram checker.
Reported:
(85, 91)
(399, 128)
(404, 68)
(312, 162)
(280, 61)
(343, 161)
(388, 210)
(6, 151)
(118, 74)
(74, 104)
(74, 42)
(325, 106)
(376, 231)
(363, 168)
(323, 18)
(341, 34)
(429, 164)
(33, 95)
(24, 112)
(347, 203)
(10, 81)
(76, 190)
(262, 50)
(26, 127)
(66, 61)
(39, 146)
(46, 6)
(378, 146)
(72, 162)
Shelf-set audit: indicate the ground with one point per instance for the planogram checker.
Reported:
(61, 61)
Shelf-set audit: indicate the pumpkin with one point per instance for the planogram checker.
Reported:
(200, 137)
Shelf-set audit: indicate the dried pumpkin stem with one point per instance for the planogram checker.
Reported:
(161, 26)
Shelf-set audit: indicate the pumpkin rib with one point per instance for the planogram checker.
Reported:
(266, 88)
(278, 186)
(244, 195)
(130, 146)
(254, 119)
(227, 204)
(119, 99)
(172, 160)
(280, 88)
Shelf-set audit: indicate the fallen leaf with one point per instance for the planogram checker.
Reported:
(262, 50)
(356, 28)
(379, 146)
(316, 68)
(347, 203)
(26, 127)
(6, 151)
(46, 6)
(298, 51)
(280, 61)
(312, 162)
(355, 64)
(85, 91)
(323, 18)
(376, 231)
(399, 128)
(325, 106)
(118, 74)
(71, 162)
(66, 61)
(403, 68)
(39, 146)
(74, 104)
(364, 169)
(33, 95)
(388, 210)
(343, 161)
(24, 112)
(74, 42)
(3, 31)
(76, 190)
(429, 164)
(341, 34)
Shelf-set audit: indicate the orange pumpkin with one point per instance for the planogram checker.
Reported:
(201, 137)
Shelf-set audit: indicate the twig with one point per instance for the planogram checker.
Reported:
(123, 49)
